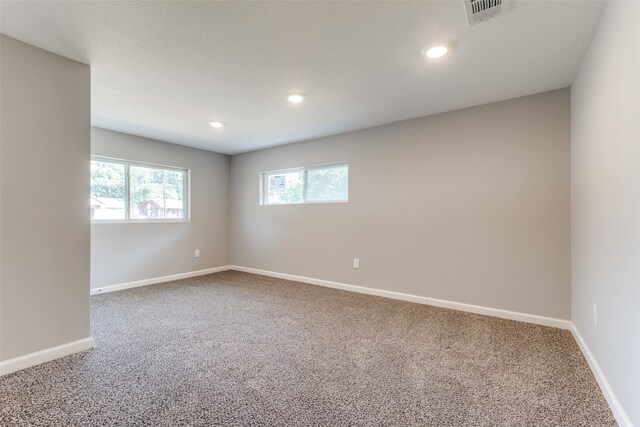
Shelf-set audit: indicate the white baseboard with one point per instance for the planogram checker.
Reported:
(334, 285)
(618, 412)
(42, 356)
(156, 280)
(503, 314)
(488, 311)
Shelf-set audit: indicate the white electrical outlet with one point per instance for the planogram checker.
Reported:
(356, 263)
(595, 315)
(197, 253)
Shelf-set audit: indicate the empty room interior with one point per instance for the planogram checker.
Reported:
(320, 213)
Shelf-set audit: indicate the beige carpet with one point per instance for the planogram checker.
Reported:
(239, 349)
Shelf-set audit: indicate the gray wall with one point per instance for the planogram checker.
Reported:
(116, 255)
(44, 226)
(605, 205)
(470, 206)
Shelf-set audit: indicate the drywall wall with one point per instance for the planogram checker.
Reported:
(44, 224)
(605, 201)
(122, 253)
(470, 206)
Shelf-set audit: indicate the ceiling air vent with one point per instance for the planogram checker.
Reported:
(482, 10)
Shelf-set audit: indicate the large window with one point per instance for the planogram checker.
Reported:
(317, 184)
(131, 191)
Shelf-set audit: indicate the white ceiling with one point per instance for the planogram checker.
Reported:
(164, 69)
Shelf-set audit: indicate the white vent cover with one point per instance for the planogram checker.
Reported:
(482, 10)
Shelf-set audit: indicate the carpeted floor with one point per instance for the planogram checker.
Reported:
(239, 349)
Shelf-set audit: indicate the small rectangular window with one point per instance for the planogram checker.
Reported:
(128, 191)
(316, 184)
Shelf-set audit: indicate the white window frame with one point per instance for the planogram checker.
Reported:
(264, 187)
(127, 165)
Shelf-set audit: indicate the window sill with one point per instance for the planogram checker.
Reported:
(318, 202)
(138, 221)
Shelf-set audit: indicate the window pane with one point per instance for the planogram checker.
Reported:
(328, 183)
(155, 193)
(284, 187)
(174, 194)
(107, 190)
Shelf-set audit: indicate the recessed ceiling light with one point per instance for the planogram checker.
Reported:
(216, 124)
(436, 52)
(296, 98)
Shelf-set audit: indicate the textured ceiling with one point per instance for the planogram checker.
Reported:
(164, 69)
